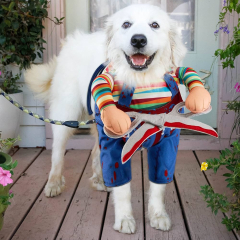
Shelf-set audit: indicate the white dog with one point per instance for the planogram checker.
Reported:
(63, 83)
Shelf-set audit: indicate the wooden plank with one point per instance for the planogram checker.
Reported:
(227, 122)
(84, 216)
(202, 224)
(13, 150)
(26, 191)
(178, 229)
(199, 142)
(53, 27)
(25, 157)
(137, 204)
(58, 28)
(50, 44)
(217, 181)
(45, 217)
(45, 37)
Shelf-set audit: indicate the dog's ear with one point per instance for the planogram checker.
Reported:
(178, 50)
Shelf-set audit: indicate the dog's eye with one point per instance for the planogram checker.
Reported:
(154, 25)
(126, 25)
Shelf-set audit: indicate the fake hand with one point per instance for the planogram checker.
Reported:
(115, 120)
(198, 100)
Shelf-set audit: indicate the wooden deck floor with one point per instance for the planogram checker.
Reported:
(82, 213)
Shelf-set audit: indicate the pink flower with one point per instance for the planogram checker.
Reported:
(237, 87)
(5, 177)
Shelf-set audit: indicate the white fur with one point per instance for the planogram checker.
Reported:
(157, 214)
(124, 220)
(165, 42)
(37, 78)
(64, 83)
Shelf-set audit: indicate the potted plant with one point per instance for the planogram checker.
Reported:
(6, 172)
(10, 115)
(21, 24)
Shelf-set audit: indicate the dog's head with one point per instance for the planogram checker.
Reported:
(143, 41)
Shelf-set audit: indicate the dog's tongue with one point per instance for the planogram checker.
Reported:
(139, 59)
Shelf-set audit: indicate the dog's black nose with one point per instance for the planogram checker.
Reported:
(138, 41)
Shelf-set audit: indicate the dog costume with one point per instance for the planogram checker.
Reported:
(160, 96)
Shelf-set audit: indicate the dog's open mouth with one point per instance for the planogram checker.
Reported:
(139, 61)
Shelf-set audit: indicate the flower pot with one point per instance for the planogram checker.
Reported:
(10, 116)
(4, 191)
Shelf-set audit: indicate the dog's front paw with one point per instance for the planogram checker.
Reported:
(160, 221)
(125, 225)
(54, 186)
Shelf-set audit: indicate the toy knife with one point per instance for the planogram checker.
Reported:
(156, 123)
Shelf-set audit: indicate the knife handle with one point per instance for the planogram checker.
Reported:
(177, 107)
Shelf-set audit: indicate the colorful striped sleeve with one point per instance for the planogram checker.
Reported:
(102, 90)
(188, 77)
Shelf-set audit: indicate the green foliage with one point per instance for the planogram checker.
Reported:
(229, 54)
(219, 202)
(5, 195)
(6, 144)
(4, 200)
(21, 25)
(9, 82)
(235, 106)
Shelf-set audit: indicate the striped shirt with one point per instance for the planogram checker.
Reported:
(106, 89)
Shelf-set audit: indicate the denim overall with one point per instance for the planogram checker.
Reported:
(162, 147)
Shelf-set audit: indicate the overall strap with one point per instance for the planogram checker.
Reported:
(97, 72)
(172, 85)
(126, 95)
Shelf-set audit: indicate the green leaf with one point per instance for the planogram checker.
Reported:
(227, 175)
(15, 25)
(39, 55)
(5, 8)
(12, 48)
(7, 22)
(231, 168)
(2, 39)
(14, 164)
(11, 5)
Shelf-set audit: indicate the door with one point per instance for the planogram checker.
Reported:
(196, 19)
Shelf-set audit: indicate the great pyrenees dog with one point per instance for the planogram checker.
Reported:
(63, 83)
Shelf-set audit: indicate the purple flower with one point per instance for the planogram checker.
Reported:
(221, 28)
(224, 3)
(225, 29)
(216, 31)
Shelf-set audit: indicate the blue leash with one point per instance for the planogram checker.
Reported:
(71, 124)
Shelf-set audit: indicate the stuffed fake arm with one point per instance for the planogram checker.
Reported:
(113, 119)
(199, 98)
